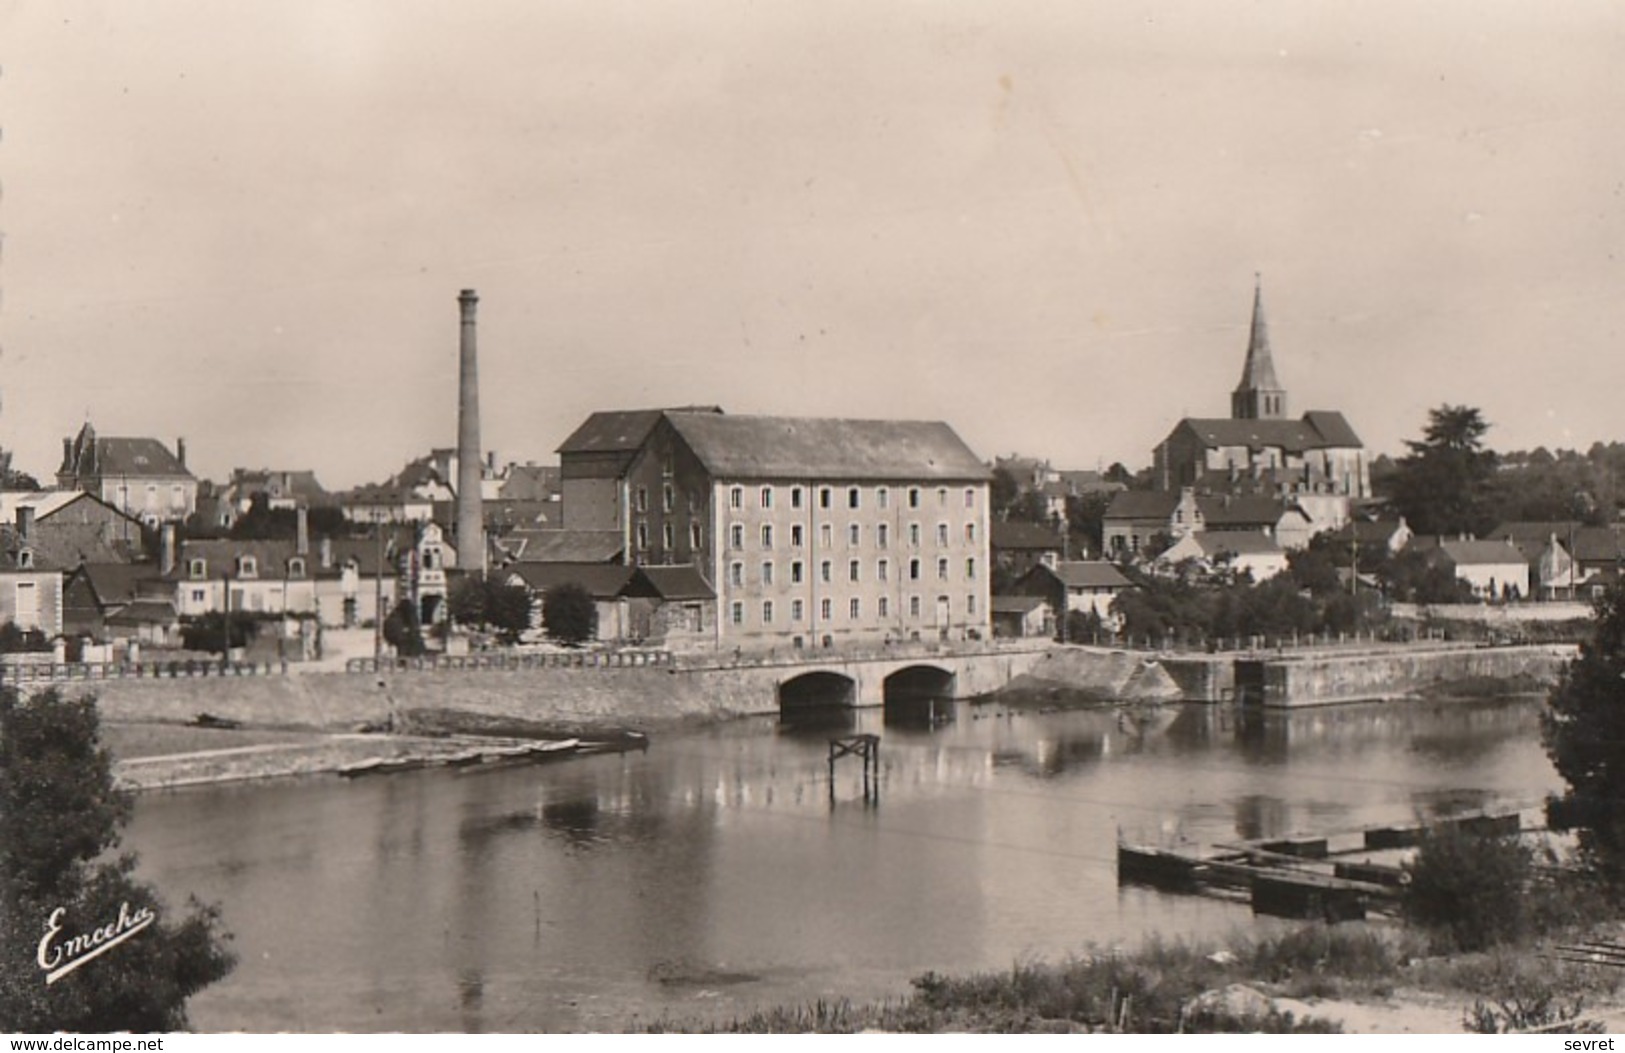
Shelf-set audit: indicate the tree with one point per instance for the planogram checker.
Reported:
(569, 614)
(60, 817)
(1469, 887)
(1442, 486)
(489, 602)
(1583, 730)
(1003, 490)
(403, 630)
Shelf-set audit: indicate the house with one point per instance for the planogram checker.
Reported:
(30, 586)
(604, 582)
(812, 531)
(358, 579)
(120, 603)
(1374, 538)
(137, 476)
(69, 527)
(258, 577)
(1494, 569)
(1135, 517)
(1086, 586)
(563, 546)
(1318, 453)
(1021, 617)
(386, 504)
(283, 489)
(1242, 551)
(1283, 520)
(1017, 547)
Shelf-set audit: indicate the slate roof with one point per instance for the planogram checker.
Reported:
(603, 581)
(144, 612)
(733, 447)
(1011, 534)
(1090, 574)
(620, 431)
(532, 482)
(119, 582)
(1317, 430)
(679, 582)
(1237, 543)
(95, 456)
(564, 546)
(1481, 553)
(221, 556)
(1017, 604)
(1142, 504)
(1218, 512)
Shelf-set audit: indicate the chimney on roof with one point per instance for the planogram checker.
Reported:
(302, 531)
(327, 553)
(180, 451)
(166, 549)
(25, 523)
(470, 514)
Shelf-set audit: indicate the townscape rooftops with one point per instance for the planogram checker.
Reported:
(1317, 430)
(621, 431)
(834, 449)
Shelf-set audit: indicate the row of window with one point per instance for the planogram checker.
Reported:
(854, 609)
(852, 496)
(854, 571)
(177, 496)
(668, 536)
(248, 566)
(854, 535)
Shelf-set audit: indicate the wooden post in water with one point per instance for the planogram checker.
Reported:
(867, 749)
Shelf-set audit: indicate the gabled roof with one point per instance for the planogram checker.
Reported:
(11, 549)
(1012, 534)
(620, 431)
(827, 448)
(1220, 512)
(1142, 504)
(603, 581)
(144, 612)
(531, 482)
(1236, 543)
(1369, 531)
(681, 582)
(118, 582)
(564, 546)
(1090, 574)
(1596, 545)
(1317, 430)
(1482, 553)
(1333, 427)
(1537, 530)
(1017, 604)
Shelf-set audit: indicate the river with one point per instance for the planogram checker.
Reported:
(714, 873)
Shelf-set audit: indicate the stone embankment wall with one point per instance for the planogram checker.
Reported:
(1311, 680)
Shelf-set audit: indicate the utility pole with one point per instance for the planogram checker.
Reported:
(378, 598)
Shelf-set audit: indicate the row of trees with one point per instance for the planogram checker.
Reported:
(485, 602)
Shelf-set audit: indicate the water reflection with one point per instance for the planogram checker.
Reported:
(549, 897)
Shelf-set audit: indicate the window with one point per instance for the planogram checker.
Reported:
(854, 535)
(26, 600)
(882, 569)
(767, 573)
(826, 535)
(882, 535)
(914, 535)
(668, 535)
(970, 568)
(767, 535)
(737, 613)
(767, 497)
(177, 497)
(942, 495)
(199, 568)
(913, 570)
(970, 497)
(736, 573)
(823, 497)
(852, 572)
(152, 495)
(913, 606)
(247, 567)
(767, 612)
(884, 608)
(795, 572)
(942, 535)
(914, 497)
(795, 497)
(643, 536)
(736, 536)
(825, 573)
(25, 560)
(198, 595)
(643, 499)
(736, 497)
(694, 539)
(796, 535)
(296, 567)
(795, 610)
(825, 610)
(970, 533)
(883, 497)
(668, 498)
(854, 609)
(970, 604)
(852, 497)
(942, 569)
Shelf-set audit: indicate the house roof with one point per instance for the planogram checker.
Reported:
(1539, 530)
(532, 482)
(1318, 429)
(91, 455)
(1240, 511)
(1142, 504)
(1017, 604)
(118, 582)
(1088, 481)
(603, 581)
(280, 483)
(620, 431)
(1090, 574)
(564, 546)
(1011, 534)
(222, 555)
(681, 582)
(1369, 531)
(1596, 544)
(144, 612)
(733, 447)
(1482, 553)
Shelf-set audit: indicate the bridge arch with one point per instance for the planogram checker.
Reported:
(918, 683)
(817, 689)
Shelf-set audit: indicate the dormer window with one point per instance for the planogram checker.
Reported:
(198, 568)
(296, 567)
(247, 567)
(25, 559)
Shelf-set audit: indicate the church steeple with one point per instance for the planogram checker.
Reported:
(1260, 395)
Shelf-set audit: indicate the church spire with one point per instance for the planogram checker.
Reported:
(1260, 395)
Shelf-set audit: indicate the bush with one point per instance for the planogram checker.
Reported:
(1468, 889)
(569, 614)
(403, 631)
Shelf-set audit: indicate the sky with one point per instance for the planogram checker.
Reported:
(247, 223)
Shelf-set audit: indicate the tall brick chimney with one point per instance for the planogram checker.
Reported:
(470, 512)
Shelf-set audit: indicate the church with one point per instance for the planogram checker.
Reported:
(1260, 450)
